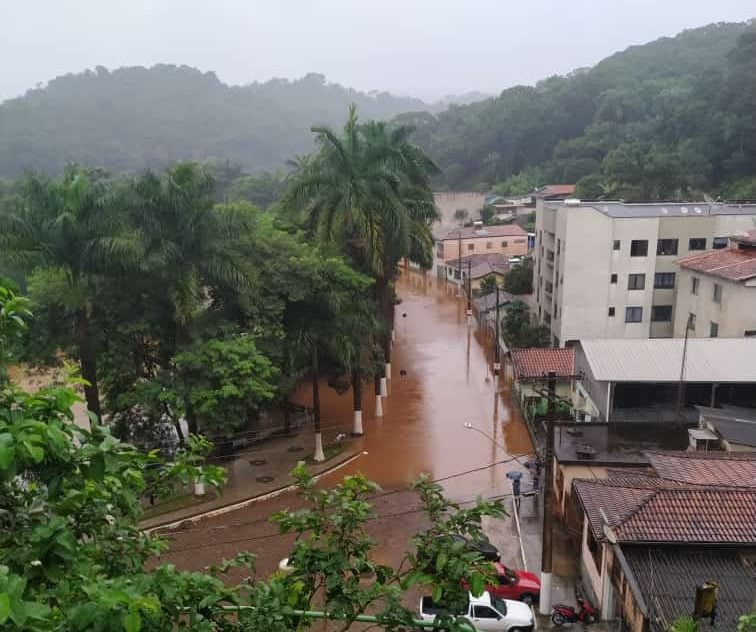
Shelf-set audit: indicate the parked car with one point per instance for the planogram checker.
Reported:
(486, 613)
(515, 584)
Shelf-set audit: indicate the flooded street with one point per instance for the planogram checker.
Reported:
(448, 382)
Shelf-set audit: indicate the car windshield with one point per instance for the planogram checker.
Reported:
(500, 605)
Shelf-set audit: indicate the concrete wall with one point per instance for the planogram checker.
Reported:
(598, 392)
(507, 245)
(735, 314)
(447, 202)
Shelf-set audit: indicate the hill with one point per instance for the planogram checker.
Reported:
(135, 117)
(672, 117)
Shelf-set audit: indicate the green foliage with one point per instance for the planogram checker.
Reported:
(519, 332)
(226, 382)
(135, 118)
(668, 119)
(747, 623)
(519, 280)
(14, 312)
(488, 284)
(683, 624)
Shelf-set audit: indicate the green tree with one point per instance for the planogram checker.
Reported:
(519, 332)
(70, 234)
(14, 310)
(460, 215)
(488, 284)
(519, 280)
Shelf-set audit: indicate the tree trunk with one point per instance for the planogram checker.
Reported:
(357, 395)
(319, 455)
(88, 362)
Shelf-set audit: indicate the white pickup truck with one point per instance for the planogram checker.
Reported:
(487, 613)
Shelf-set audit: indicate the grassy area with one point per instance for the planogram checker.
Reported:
(330, 452)
(175, 502)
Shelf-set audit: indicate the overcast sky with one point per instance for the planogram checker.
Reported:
(426, 48)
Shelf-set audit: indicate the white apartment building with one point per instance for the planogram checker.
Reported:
(608, 269)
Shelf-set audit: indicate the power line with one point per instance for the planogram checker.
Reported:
(402, 490)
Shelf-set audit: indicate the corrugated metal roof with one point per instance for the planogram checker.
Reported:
(660, 360)
(663, 209)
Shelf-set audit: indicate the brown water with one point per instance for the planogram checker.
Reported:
(449, 381)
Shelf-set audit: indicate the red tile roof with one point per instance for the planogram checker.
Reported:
(696, 468)
(645, 510)
(471, 232)
(530, 363)
(736, 265)
(555, 190)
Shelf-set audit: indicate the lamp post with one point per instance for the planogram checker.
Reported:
(497, 352)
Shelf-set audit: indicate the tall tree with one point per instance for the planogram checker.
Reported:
(68, 231)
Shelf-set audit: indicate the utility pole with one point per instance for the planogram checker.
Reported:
(497, 359)
(469, 290)
(681, 384)
(548, 532)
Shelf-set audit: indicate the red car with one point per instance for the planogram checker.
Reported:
(513, 584)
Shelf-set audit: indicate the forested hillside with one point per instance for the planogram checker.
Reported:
(674, 117)
(135, 118)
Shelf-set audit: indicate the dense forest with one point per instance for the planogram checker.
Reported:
(136, 118)
(674, 117)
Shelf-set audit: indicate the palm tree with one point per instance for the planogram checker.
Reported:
(70, 232)
(368, 190)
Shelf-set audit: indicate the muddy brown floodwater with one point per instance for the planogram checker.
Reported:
(448, 382)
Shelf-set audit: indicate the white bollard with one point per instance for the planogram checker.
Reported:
(544, 605)
(357, 424)
(378, 405)
(384, 387)
(199, 488)
(388, 370)
(319, 455)
(393, 335)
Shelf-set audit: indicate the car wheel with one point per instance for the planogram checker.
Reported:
(558, 619)
(528, 599)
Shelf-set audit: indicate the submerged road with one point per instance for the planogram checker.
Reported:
(448, 382)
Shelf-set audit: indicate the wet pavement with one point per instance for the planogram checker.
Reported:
(448, 382)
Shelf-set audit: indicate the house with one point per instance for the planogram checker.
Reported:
(484, 308)
(597, 451)
(477, 267)
(508, 240)
(716, 292)
(647, 380)
(609, 269)
(552, 192)
(648, 540)
(536, 371)
(728, 428)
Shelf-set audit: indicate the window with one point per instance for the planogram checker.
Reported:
(697, 243)
(666, 247)
(471, 246)
(484, 612)
(639, 247)
(547, 318)
(664, 280)
(661, 313)
(633, 314)
(504, 244)
(713, 329)
(489, 245)
(749, 333)
(611, 311)
(636, 281)
(717, 295)
(559, 246)
(694, 282)
(613, 278)
(692, 321)
(719, 242)
(616, 245)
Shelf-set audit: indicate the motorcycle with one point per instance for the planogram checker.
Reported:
(561, 613)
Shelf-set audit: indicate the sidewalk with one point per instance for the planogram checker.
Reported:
(256, 471)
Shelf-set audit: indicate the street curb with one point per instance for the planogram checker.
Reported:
(240, 504)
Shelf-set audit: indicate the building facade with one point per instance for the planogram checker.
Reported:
(716, 293)
(508, 240)
(609, 269)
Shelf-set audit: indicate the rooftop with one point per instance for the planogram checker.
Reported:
(728, 263)
(616, 209)
(487, 302)
(706, 468)
(733, 424)
(554, 190)
(482, 264)
(648, 510)
(682, 570)
(538, 363)
(660, 359)
(471, 232)
(620, 444)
